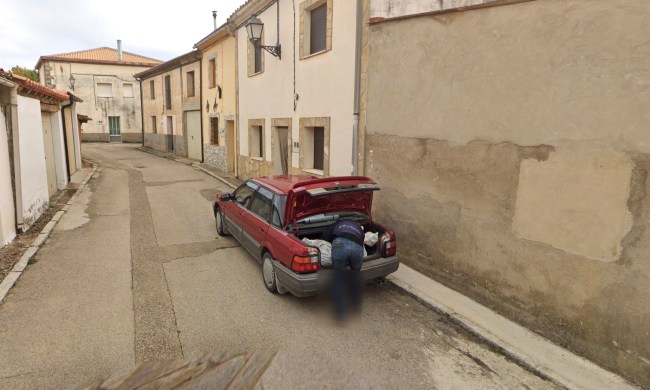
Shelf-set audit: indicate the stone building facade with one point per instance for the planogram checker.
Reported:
(103, 79)
(171, 101)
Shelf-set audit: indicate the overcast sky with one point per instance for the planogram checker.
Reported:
(161, 29)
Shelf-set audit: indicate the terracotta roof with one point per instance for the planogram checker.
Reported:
(174, 63)
(32, 88)
(101, 55)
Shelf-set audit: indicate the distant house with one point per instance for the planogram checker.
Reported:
(171, 106)
(103, 79)
(36, 150)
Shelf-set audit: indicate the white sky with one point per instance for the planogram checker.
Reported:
(161, 29)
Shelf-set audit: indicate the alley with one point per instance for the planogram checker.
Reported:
(135, 272)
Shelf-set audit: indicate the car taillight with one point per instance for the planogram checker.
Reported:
(389, 245)
(308, 263)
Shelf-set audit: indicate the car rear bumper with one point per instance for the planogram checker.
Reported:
(302, 285)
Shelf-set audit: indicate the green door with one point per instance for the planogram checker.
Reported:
(114, 129)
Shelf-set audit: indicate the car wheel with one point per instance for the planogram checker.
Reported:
(268, 273)
(221, 228)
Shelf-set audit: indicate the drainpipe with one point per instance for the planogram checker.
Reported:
(201, 100)
(141, 109)
(357, 82)
(65, 137)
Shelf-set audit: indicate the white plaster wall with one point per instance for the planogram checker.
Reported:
(33, 173)
(75, 139)
(59, 150)
(7, 211)
(324, 82)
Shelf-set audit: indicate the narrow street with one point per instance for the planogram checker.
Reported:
(135, 272)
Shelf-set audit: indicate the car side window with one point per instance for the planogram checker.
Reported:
(244, 193)
(279, 202)
(261, 204)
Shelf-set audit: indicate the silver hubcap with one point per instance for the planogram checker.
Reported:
(268, 272)
(219, 222)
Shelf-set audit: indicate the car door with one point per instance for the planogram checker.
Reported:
(235, 209)
(255, 224)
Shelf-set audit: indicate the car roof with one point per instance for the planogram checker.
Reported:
(285, 183)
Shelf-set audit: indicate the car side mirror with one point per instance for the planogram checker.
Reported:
(226, 197)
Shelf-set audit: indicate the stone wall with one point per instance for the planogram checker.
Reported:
(215, 156)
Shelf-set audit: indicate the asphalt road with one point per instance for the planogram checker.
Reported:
(135, 272)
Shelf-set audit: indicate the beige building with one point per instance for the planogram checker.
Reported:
(171, 106)
(297, 110)
(103, 79)
(524, 151)
(219, 97)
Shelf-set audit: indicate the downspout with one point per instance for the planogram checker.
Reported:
(141, 109)
(201, 100)
(65, 137)
(357, 89)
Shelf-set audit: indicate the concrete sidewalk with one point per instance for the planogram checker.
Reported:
(78, 181)
(528, 349)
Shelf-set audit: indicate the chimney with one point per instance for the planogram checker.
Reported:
(119, 50)
(214, 16)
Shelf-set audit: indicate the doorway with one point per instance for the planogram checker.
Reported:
(114, 129)
(281, 150)
(169, 124)
(230, 145)
(49, 153)
(193, 126)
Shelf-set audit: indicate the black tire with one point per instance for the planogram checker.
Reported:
(269, 277)
(219, 223)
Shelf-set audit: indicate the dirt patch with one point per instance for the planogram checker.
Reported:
(10, 254)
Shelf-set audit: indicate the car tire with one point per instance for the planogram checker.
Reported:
(219, 223)
(268, 273)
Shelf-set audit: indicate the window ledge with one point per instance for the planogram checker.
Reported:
(257, 158)
(255, 74)
(316, 172)
(314, 54)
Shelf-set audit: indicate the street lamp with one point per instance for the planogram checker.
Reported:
(72, 80)
(254, 28)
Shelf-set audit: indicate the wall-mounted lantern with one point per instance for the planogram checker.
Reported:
(72, 80)
(215, 105)
(254, 28)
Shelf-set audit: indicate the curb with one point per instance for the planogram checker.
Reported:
(525, 348)
(226, 182)
(20, 266)
(193, 165)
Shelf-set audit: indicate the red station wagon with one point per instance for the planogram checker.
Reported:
(270, 216)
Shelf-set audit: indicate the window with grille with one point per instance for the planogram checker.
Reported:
(212, 72)
(168, 92)
(152, 90)
(318, 29)
(214, 131)
(190, 84)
